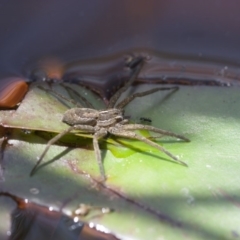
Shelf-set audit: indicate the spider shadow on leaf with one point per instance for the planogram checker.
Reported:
(55, 158)
(128, 144)
(110, 121)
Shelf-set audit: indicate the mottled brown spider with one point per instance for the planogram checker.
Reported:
(111, 121)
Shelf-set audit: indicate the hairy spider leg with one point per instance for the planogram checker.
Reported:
(133, 127)
(128, 134)
(84, 128)
(61, 96)
(116, 96)
(51, 142)
(86, 102)
(126, 101)
(97, 151)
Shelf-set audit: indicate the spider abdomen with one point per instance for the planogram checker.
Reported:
(80, 116)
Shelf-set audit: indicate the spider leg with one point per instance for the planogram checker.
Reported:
(61, 96)
(86, 102)
(84, 128)
(97, 151)
(116, 96)
(153, 129)
(128, 134)
(126, 101)
(51, 142)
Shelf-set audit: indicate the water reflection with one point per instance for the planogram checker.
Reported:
(106, 75)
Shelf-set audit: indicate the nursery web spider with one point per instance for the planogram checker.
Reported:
(111, 121)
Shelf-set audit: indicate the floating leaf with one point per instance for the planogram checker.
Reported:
(152, 197)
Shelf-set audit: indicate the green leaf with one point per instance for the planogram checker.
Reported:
(152, 196)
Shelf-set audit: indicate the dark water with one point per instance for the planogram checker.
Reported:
(179, 36)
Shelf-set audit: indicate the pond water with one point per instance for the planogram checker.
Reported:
(92, 38)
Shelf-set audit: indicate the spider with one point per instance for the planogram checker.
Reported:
(111, 121)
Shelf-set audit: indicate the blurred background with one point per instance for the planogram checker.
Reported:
(193, 39)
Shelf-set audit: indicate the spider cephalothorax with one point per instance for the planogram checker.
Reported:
(111, 121)
(93, 118)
